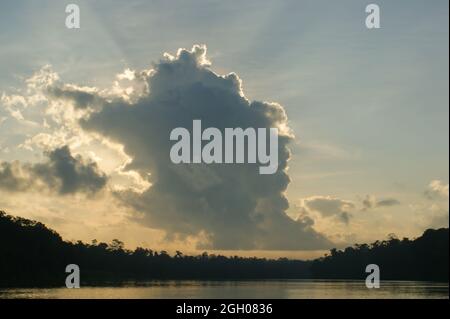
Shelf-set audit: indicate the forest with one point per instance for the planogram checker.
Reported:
(33, 255)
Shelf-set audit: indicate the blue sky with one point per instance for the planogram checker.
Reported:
(369, 108)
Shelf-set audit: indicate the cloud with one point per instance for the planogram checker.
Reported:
(83, 96)
(435, 215)
(388, 202)
(370, 202)
(228, 206)
(439, 216)
(62, 172)
(437, 189)
(328, 206)
(341, 209)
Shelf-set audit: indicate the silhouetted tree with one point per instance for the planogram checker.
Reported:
(425, 258)
(33, 255)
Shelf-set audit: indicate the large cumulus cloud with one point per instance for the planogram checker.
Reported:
(61, 172)
(229, 206)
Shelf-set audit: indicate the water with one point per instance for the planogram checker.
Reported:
(294, 289)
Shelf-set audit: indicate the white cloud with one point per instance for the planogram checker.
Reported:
(437, 189)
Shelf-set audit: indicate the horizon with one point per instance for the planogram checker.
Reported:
(95, 242)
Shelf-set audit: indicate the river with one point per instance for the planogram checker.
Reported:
(291, 289)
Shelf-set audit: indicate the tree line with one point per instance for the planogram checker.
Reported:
(31, 254)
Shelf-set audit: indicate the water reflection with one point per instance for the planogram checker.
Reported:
(294, 289)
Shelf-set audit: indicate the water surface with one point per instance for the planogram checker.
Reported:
(280, 289)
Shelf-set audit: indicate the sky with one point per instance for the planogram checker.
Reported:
(84, 116)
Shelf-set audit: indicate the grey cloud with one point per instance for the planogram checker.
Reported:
(62, 173)
(341, 209)
(330, 207)
(345, 217)
(83, 98)
(231, 206)
(387, 202)
(10, 179)
(370, 202)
